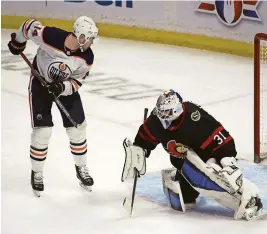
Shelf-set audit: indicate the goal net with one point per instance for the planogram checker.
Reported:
(260, 97)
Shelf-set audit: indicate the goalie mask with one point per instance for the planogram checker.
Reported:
(86, 29)
(168, 107)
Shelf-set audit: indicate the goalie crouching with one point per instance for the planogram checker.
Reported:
(202, 153)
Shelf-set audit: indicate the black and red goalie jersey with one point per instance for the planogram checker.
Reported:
(179, 126)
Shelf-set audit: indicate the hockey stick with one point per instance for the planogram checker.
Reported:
(44, 83)
(128, 204)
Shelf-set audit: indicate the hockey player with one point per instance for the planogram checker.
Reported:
(203, 155)
(62, 59)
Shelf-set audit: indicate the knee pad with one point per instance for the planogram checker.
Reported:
(77, 135)
(40, 137)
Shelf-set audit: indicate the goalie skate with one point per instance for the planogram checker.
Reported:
(254, 209)
(37, 183)
(263, 215)
(86, 181)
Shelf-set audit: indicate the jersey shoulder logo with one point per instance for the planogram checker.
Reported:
(58, 71)
(195, 116)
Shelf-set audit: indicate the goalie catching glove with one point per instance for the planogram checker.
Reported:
(135, 159)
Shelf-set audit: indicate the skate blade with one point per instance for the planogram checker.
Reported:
(87, 188)
(36, 193)
(259, 217)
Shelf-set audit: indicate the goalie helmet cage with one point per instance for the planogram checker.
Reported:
(260, 97)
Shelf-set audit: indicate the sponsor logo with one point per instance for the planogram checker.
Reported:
(231, 12)
(58, 71)
(117, 3)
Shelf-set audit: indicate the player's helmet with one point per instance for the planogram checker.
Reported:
(85, 26)
(168, 107)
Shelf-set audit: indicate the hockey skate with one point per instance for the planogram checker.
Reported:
(86, 181)
(254, 209)
(37, 183)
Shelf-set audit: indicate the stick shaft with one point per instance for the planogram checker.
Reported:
(136, 174)
(44, 83)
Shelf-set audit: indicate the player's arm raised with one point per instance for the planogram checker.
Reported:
(30, 29)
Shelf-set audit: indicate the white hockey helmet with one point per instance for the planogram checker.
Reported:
(85, 26)
(169, 107)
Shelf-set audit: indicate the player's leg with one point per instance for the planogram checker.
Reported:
(40, 111)
(225, 184)
(77, 137)
(179, 192)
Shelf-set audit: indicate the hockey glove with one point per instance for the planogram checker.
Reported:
(146, 151)
(56, 88)
(16, 47)
(134, 159)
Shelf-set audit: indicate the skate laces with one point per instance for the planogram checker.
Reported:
(38, 177)
(84, 172)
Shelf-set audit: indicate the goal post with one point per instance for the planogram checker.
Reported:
(260, 97)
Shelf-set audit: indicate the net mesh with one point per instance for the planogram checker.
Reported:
(263, 99)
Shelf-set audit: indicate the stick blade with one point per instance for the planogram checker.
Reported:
(127, 204)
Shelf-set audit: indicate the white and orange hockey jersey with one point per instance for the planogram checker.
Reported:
(53, 60)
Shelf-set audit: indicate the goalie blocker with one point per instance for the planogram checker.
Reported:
(135, 158)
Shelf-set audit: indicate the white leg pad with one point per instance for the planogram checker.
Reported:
(235, 193)
(211, 171)
(249, 190)
(176, 199)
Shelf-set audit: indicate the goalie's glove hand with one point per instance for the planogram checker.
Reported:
(146, 151)
(134, 159)
(16, 47)
(56, 88)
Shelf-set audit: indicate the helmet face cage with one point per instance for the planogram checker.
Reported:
(168, 107)
(85, 26)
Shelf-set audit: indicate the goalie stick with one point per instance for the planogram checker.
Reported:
(44, 83)
(128, 203)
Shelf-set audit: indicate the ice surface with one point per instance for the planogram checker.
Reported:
(222, 84)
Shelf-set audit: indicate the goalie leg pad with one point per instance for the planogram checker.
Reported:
(205, 186)
(134, 158)
(250, 204)
(172, 189)
(226, 186)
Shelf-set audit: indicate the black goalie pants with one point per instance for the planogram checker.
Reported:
(189, 194)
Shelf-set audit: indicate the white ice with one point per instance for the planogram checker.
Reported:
(223, 84)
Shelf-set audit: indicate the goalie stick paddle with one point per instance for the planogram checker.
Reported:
(128, 203)
(44, 83)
